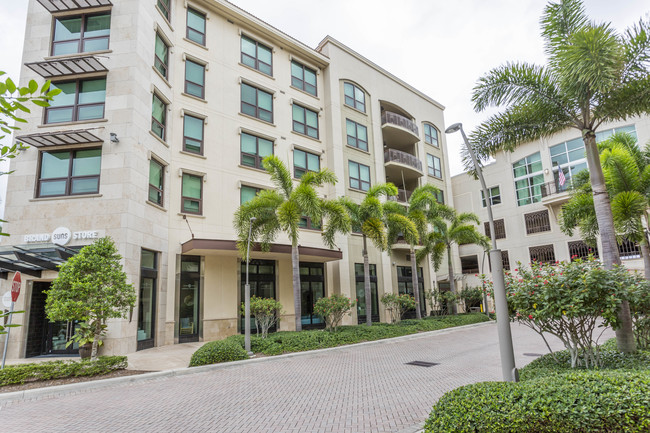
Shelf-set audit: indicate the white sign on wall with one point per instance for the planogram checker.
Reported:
(61, 236)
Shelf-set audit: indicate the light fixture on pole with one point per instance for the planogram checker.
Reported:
(247, 294)
(510, 373)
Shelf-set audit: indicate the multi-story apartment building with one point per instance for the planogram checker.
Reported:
(527, 198)
(166, 111)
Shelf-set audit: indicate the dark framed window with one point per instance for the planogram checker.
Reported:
(304, 162)
(505, 261)
(261, 277)
(81, 33)
(440, 197)
(431, 135)
(192, 194)
(537, 222)
(165, 8)
(161, 56)
(195, 79)
(256, 55)
(469, 264)
(354, 97)
(254, 149)
(312, 288)
(303, 78)
(357, 135)
(359, 176)
(156, 182)
(195, 26)
(495, 196)
(499, 229)
(309, 224)
(189, 299)
(79, 100)
(405, 286)
(247, 193)
(529, 179)
(580, 250)
(542, 254)
(256, 102)
(147, 299)
(158, 117)
(69, 172)
(305, 121)
(193, 134)
(434, 168)
(361, 292)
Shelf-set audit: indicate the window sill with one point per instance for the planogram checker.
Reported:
(545, 232)
(76, 122)
(358, 190)
(256, 118)
(162, 77)
(432, 145)
(196, 155)
(194, 215)
(64, 197)
(165, 18)
(157, 206)
(355, 109)
(306, 136)
(248, 167)
(158, 138)
(195, 43)
(194, 97)
(358, 150)
(435, 177)
(305, 92)
(256, 70)
(72, 56)
(310, 230)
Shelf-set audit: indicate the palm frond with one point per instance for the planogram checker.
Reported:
(559, 22)
(630, 98)
(288, 215)
(280, 174)
(382, 189)
(375, 230)
(620, 170)
(636, 41)
(401, 225)
(337, 220)
(627, 209)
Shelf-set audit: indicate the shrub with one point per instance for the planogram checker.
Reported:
(471, 297)
(332, 309)
(21, 373)
(215, 352)
(639, 297)
(266, 311)
(397, 305)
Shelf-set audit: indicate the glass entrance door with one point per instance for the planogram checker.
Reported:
(147, 299)
(188, 312)
(261, 277)
(405, 285)
(58, 335)
(312, 288)
(361, 293)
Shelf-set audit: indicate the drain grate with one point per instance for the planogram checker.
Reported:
(422, 363)
(533, 354)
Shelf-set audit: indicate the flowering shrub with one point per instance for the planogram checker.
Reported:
(332, 310)
(397, 305)
(266, 312)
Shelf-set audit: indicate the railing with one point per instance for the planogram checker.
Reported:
(554, 187)
(402, 196)
(393, 155)
(399, 120)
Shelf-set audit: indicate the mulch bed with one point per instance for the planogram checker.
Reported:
(68, 380)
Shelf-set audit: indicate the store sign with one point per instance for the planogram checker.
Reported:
(61, 236)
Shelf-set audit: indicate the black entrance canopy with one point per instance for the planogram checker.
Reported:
(32, 259)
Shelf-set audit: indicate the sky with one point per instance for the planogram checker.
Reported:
(440, 47)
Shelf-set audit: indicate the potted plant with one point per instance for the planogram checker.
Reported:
(84, 336)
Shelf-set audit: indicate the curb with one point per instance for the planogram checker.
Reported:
(75, 388)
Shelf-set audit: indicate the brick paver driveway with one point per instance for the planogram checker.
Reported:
(364, 388)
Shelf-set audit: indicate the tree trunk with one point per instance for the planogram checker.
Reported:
(366, 283)
(98, 333)
(416, 284)
(295, 265)
(610, 257)
(452, 283)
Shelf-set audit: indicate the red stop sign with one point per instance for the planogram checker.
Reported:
(15, 287)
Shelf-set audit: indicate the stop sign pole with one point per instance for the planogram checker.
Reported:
(15, 291)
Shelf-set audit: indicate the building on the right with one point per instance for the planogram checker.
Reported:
(527, 196)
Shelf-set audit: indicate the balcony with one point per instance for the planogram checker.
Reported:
(554, 194)
(402, 196)
(402, 165)
(399, 131)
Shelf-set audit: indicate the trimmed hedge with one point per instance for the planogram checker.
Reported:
(215, 352)
(582, 401)
(288, 341)
(21, 373)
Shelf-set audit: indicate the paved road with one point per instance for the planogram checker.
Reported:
(364, 388)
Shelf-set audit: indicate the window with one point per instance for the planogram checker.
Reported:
(156, 179)
(158, 117)
(192, 201)
(194, 79)
(192, 134)
(537, 222)
(580, 250)
(164, 8)
(247, 193)
(304, 162)
(505, 261)
(161, 56)
(69, 172)
(256, 102)
(361, 292)
(495, 196)
(256, 55)
(357, 135)
(359, 176)
(499, 229)
(440, 197)
(431, 135)
(529, 179)
(80, 34)
(147, 299)
(604, 135)
(433, 166)
(189, 299)
(305, 121)
(628, 249)
(405, 285)
(307, 223)
(469, 265)
(262, 280)
(195, 26)
(354, 97)
(303, 77)
(254, 149)
(542, 254)
(79, 100)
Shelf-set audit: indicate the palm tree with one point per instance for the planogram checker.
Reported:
(449, 228)
(368, 217)
(280, 210)
(627, 175)
(594, 75)
(410, 223)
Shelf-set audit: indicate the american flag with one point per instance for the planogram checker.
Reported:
(561, 175)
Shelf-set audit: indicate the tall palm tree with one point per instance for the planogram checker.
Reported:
(368, 217)
(410, 223)
(280, 210)
(594, 75)
(449, 228)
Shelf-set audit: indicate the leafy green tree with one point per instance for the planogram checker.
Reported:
(594, 75)
(397, 305)
(280, 210)
(449, 228)
(368, 217)
(91, 287)
(332, 309)
(266, 311)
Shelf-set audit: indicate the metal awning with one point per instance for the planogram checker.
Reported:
(47, 139)
(53, 6)
(32, 259)
(66, 67)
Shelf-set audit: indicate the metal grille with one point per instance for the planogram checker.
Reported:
(499, 229)
(537, 222)
(580, 250)
(542, 254)
(422, 363)
(629, 250)
(505, 261)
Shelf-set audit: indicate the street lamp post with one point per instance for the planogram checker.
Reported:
(247, 295)
(508, 368)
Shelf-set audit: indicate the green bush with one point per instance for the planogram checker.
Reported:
(397, 305)
(580, 401)
(332, 309)
(215, 352)
(21, 373)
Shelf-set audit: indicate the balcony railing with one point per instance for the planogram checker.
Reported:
(402, 196)
(399, 120)
(393, 155)
(551, 188)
